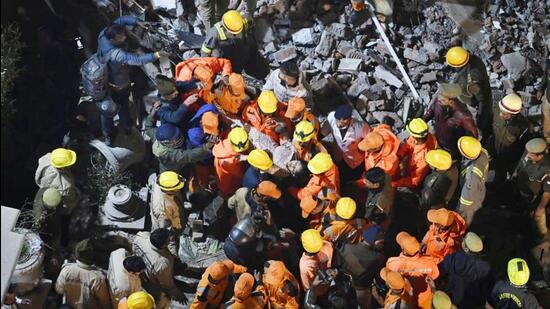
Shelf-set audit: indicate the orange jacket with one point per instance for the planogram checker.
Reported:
(351, 229)
(256, 300)
(309, 264)
(209, 295)
(386, 158)
(229, 168)
(416, 269)
(228, 102)
(184, 69)
(441, 245)
(406, 298)
(274, 279)
(330, 179)
(416, 168)
(266, 125)
(307, 151)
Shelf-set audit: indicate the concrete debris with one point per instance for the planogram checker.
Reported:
(285, 54)
(326, 44)
(516, 64)
(387, 76)
(428, 77)
(304, 37)
(349, 65)
(415, 55)
(341, 31)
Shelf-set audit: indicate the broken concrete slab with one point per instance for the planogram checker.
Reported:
(349, 65)
(326, 44)
(359, 85)
(286, 54)
(340, 30)
(304, 37)
(516, 64)
(387, 76)
(428, 77)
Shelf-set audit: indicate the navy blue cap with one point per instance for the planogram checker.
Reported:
(167, 132)
(373, 234)
(343, 112)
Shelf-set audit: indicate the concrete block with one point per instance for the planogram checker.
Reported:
(516, 64)
(286, 54)
(387, 76)
(304, 37)
(326, 44)
(349, 65)
(428, 77)
(340, 30)
(415, 55)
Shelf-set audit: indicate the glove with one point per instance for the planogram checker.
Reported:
(162, 53)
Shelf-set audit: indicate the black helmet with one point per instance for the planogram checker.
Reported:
(243, 232)
(107, 107)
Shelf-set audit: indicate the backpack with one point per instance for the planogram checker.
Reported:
(95, 75)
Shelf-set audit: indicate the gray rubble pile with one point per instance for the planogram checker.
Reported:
(512, 45)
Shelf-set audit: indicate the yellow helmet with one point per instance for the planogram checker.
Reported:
(233, 21)
(439, 159)
(469, 147)
(457, 57)
(304, 131)
(170, 181)
(518, 271)
(345, 207)
(140, 300)
(267, 102)
(312, 241)
(239, 139)
(259, 159)
(320, 163)
(511, 103)
(62, 157)
(440, 300)
(417, 128)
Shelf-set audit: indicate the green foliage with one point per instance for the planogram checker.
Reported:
(101, 177)
(11, 53)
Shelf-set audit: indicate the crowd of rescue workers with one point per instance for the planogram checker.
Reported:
(310, 233)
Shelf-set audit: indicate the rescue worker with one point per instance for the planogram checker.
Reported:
(266, 117)
(296, 112)
(469, 278)
(212, 287)
(452, 119)
(513, 293)
(231, 98)
(382, 8)
(81, 283)
(137, 300)
(473, 79)
(204, 126)
(260, 164)
(305, 142)
(345, 228)
(347, 132)
(249, 293)
(415, 267)
(227, 160)
(232, 39)
(400, 294)
(288, 82)
(47, 222)
(173, 109)
(362, 261)
(246, 200)
(412, 155)
(283, 290)
(440, 185)
(380, 196)
(380, 147)
(167, 207)
(203, 70)
(169, 148)
(320, 209)
(475, 165)
(544, 94)
(509, 130)
(123, 275)
(325, 175)
(113, 50)
(54, 172)
(318, 255)
(445, 234)
(532, 181)
(158, 277)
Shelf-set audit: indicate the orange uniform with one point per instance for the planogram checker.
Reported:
(265, 124)
(439, 245)
(351, 229)
(184, 69)
(416, 168)
(229, 168)
(231, 98)
(256, 300)
(309, 264)
(274, 280)
(329, 179)
(416, 269)
(211, 295)
(304, 152)
(405, 298)
(386, 158)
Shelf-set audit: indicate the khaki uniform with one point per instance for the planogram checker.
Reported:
(242, 202)
(121, 282)
(472, 181)
(84, 286)
(532, 179)
(474, 81)
(382, 201)
(165, 213)
(157, 278)
(546, 113)
(47, 176)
